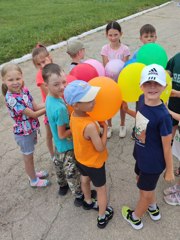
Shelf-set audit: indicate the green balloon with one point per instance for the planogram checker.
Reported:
(152, 53)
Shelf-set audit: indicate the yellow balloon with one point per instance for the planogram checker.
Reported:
(167, 91)
(129, 80)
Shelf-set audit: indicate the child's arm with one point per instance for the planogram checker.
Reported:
(174, 115)
(125, 59)
(175, 93)
(92, 134)
(124, 106)
(39, 106)
(166, 143)
(63, 132)
(104, 60)
(34, 114)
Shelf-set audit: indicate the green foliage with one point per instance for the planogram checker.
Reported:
(23, 23)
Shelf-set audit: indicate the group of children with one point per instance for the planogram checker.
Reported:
(76, 145)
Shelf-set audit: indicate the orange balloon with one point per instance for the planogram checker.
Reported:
(108, 99)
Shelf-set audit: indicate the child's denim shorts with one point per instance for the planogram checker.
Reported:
(27, 142)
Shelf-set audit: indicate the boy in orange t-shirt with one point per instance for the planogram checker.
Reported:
(89, 147)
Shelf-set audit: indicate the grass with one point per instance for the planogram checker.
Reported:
(23, 23)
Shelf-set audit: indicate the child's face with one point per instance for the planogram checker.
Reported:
(148, 38)
(14, 81)
(152, 90)
(114, 35)
(56, 85)
(85, 106)
(42, 61)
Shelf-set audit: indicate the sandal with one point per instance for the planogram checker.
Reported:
(177, 172)
(42, 174)
(40, 183)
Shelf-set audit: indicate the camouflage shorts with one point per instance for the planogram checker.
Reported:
(67, 171)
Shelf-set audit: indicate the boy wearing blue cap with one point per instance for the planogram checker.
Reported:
(89, 147)
(152, 150)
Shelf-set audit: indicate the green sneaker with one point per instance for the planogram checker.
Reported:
(127, 215)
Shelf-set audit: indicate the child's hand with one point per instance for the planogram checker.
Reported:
(103, 124)
(124, 106)
(175, 93)
(169, 176)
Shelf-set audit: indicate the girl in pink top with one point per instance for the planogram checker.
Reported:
(41, 58)
(115, 50)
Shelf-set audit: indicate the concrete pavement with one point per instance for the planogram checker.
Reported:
(40, 214)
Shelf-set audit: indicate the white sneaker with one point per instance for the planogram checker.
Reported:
(122, 131)
(109, 132)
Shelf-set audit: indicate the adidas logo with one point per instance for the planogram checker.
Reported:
(152, 74)
(153, 71)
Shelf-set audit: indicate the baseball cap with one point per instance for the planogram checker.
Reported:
(73, 47)
(80, 91)
(153, 72)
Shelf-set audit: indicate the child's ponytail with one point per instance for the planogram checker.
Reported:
(4, 89)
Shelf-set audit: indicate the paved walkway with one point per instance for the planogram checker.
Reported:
(34, 214)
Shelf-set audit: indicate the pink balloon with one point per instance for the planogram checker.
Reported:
(97, 65)
(113, 68)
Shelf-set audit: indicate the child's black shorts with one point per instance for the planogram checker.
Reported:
(97, 175)
(146, 181)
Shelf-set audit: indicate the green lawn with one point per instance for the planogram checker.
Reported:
(23, 23)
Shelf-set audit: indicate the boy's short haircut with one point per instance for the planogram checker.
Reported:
(147, 28)
(50, 69)
(80, 91)
(73, 47)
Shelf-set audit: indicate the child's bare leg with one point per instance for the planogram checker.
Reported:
(86, 188)
(174, 130)
(122, 128)
(49, 141)
(146, 198)
(122, 117)
(29, 166)
(102, 199)
(109, 122)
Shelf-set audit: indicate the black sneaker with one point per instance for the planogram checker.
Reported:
(78, 202)
(127, 215)
(63, 190)
(102, 222)
(93, 205)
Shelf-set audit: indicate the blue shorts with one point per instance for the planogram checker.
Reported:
(146, 181)
(97, 175)
(26, 142)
